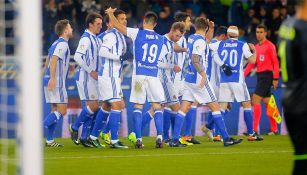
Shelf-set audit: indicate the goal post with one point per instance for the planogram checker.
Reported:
(29, 50)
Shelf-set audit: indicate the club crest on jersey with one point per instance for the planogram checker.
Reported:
(261, 57)
(82, 47)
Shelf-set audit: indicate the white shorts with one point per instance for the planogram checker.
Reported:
(88, 89)
(203, 95)
(231, 91)
(179, 84)
(110, 88)
(170, 93)
(58, 95)
(143, 87)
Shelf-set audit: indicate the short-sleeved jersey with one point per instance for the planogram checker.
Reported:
(232, 52)
(168, 59)
(196, 45)
(180, 57)
(148, 49)
(88, 47)
(61, 50)
(115, 42)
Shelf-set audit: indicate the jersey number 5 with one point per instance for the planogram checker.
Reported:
(151, 52)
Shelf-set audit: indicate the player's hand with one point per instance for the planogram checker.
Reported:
(94, 75)
(51, 84)
(110, 10)
(226, 69)
(275, 84)
(202, 82)
(210, 24)
(176, 68)
(252, 47)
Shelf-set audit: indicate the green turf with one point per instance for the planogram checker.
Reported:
(272, 156)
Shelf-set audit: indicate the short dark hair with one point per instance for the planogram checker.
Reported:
(201, 23)
(91, 17)
(300, 2)
(118, 12)
(178, 26)
(60, 26)
(221, 30)
(262, 26)
(151, 17)
(181, 17)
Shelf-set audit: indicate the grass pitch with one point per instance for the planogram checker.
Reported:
(274, 155)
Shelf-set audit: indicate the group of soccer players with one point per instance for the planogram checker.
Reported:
(172, 73)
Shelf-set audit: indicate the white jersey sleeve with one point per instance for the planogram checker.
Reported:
(83, 46)
(246, 51)
(132, 33)
(60, 50)
(214, 46)
(109, 40)
(199, 47)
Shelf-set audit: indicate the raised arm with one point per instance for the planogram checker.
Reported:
(121, 28)
(210, 32)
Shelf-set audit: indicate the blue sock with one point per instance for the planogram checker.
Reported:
(137, 119)
(107, 128)
(83, 116)
(50, 123)
(146, 119)
(210, 124)
(101, 119)
(114, 123)
(166, 122)
(219, 122)
(173, 119)
(86, 128)
(159, 122)
(178, 125)
(248, 118)
(189, 121)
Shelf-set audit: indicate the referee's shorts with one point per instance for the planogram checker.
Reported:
(264, 83)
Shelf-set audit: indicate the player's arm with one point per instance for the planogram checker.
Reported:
(177, 48)
(249, 52)
(45, 64)
(53, 65)
(210, 31)
(121, 28)
(199, 68)
(105, 50)
(80, 57)
(275, 67)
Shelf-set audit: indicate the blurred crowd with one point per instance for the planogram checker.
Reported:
(246, 14)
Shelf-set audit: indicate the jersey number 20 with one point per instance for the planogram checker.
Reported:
(232, 55)
(152, 52)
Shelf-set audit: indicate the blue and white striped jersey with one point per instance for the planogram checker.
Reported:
(180, 57)
(115, 42)
(88, 47)
(61, 50)
(168, 59)
(196, 45)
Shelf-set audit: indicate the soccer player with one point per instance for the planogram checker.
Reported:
(292, 50)
(109, 82)
(197, 85)
(86, 78)
(233, 87)
(55, 79)
(181, 59)
(267, 76)
(148, 49)
(213, 72)
(167, 69)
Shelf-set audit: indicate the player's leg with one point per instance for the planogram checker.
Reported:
(169, 113)
(189, 118)
(147, 117)
(102, 118)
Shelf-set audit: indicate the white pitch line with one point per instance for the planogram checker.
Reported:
(167, 155)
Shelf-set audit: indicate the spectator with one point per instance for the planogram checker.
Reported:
(274, 25)
(50, 14)
(165, 20)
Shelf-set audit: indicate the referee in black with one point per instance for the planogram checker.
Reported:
(293, 54)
